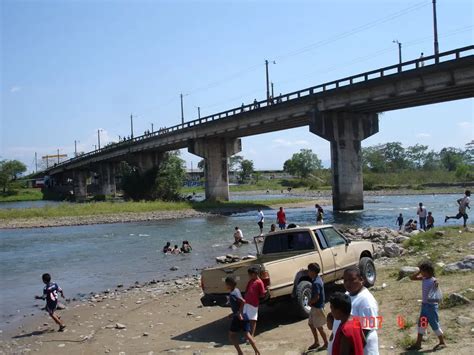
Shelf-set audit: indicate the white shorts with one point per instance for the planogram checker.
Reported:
(250, 311)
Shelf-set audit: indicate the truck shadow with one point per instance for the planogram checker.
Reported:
(269, 318)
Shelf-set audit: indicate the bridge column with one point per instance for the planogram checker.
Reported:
(147, 160)
(107, 179)
(216, 153)
(345, 131)
(80, 185)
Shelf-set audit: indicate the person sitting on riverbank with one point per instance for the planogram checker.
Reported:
(176, 250)
(167, 248)
(50, 294)
(239, 321)
(238, 236)
(273, 228)
(186, 247)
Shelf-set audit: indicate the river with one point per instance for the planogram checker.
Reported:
(84, 259)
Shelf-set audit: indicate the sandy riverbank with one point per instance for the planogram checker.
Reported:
(140, 216)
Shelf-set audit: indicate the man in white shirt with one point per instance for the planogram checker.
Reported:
(463, 206)
(260, 220)
(421, 212)
(364, 308)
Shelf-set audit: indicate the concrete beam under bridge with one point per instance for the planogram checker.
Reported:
(216, 153)
(107, 178)
(345, 131)
(80, 185)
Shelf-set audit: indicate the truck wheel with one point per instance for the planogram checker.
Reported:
(367, 269)
(303, 296)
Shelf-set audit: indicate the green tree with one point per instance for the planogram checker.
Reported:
(235, 161)
(395, 156)
(373, 159)
(302, 164)
(10, 170)
(170, 177)
(450, 158)
(246, 170)
(417, 155)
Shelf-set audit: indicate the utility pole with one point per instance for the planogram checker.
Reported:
(36, 162)
(152, 128)
(131, 126)
(435, 30)
(182, 111)
(273, 95)
(58, 155)
(75, 148)
(199, 112)
(98, 138)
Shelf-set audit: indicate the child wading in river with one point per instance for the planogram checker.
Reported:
(239, 321)
(50, 294)
(429, 306)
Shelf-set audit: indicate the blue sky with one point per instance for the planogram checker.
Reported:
(69, 68)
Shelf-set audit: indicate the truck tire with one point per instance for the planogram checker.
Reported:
(367, 269)
(303, 295)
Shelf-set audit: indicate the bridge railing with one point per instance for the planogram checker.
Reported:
(295, 95)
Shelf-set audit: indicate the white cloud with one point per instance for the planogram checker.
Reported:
(14, 89)
(279, 142)
(423, 135)
(465, 124)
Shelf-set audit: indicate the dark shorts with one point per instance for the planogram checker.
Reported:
(238, 325)
(282, 225)
(461, 215)
(260, 224)
(51, 307)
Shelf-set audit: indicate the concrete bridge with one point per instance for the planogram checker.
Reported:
(343, 111)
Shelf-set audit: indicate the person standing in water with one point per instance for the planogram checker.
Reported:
(319, 214)
(260, 220)
(281, 218)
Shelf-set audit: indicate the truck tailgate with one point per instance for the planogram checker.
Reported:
(212, 280)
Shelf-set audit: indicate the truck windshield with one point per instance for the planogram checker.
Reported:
(279, 243)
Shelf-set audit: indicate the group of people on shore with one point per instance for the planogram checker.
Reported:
(185, 248)
(426, 219)
(353, 319)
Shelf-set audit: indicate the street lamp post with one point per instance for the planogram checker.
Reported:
(98, 138)
(131, 126)
(399, 50)
(151, 127)
(75, 148)
(199, 112)
(268, 78)
(182, 111)
(435, 30)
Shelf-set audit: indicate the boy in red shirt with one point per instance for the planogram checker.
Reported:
(254, 291)
(281, 218)
(349, 338)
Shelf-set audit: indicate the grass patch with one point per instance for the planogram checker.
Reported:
(21, 195)
(406, 341)
(110, 207)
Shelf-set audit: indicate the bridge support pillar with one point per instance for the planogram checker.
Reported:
(147, 160)
(107, 181)
(80, 185)
(216, 153)
(345, 131)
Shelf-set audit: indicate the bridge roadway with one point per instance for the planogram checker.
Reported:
(343, 111)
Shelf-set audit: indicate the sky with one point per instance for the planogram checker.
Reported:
(70, 68)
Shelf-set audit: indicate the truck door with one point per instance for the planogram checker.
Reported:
(328, 266)
(343, 254)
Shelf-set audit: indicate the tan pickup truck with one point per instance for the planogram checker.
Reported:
(283, 259)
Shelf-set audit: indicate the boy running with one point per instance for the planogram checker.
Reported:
(238, 322)
(254, 291)
(463, 204)
(317, 317)
(50, 294)
(429, 308)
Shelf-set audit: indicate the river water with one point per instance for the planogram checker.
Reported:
(93, 258)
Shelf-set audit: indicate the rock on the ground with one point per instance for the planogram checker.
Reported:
(463, 320)
(120, 326)
(400, 239)
(457, 298)
(392, 250)
(440, 233)
(407, 271)
(466, 264)
(471, 245)
(174, 268)
(221, 259)
(415, 232)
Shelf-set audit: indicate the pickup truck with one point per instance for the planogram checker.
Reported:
(283, 259)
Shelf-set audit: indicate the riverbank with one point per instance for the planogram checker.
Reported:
(123, 212)
(166, 316)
